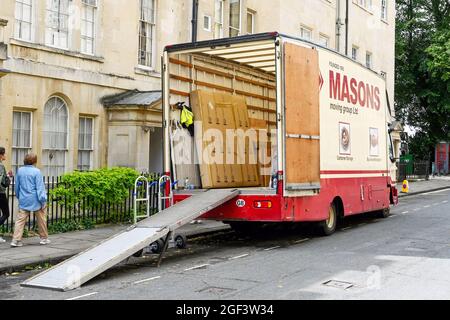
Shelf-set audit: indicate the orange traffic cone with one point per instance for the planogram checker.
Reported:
(405, 187)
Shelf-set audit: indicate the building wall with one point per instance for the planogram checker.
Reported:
(131, 130)
(39, 71)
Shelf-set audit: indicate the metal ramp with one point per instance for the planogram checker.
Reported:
(83, 267)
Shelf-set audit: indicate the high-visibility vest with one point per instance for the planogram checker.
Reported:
(187, 117)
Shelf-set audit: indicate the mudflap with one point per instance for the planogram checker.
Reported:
(394, 195)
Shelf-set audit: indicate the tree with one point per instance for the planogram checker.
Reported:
(423, 70)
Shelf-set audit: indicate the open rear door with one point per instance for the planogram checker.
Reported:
(302, 114)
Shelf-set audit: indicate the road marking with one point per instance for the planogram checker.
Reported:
(416, 209)
(146, 280)
(427, 206)
(344, 229)
(444, 201)
(197, 267)
(415, 249)
(273, 248)
(83, 296)
(439, 191)
(435, 204)
(241, 256)
(301, 241)
(405, 212)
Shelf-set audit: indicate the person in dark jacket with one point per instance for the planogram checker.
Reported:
(4, 183)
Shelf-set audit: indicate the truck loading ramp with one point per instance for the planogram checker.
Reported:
(81, 268)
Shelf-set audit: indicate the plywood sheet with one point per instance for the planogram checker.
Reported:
(263, 125)
(302, 115)
(218, 114)
(249, 170)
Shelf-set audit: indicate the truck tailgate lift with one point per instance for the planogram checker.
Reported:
(81, 268)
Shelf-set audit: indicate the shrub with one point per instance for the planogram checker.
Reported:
(71, 225)
(98, 187)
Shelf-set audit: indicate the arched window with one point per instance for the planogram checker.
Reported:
(55, 137)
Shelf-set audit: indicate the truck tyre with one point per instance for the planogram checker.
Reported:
(385, 213)
(328, 227)
(181, 241)
(157, 246)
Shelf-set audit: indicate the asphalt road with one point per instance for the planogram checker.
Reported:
(406, 256)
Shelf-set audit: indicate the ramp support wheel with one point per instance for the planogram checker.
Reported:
(166, 245)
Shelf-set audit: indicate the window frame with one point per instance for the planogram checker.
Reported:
(252, 13)
(18, 23)
(219, 23)
(152, 62)
(310, 30)
(65, 151)
(327, 38)
(365, 4)
(356, 50)
(49, 28)
(86, 37)
(384, 10)
(15, 165)
(209, 28)
(369, 62)
(90, 150)
(240, 20)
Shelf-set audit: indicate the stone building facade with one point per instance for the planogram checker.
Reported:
(79, 79)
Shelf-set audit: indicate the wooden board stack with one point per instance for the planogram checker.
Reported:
(221, 165)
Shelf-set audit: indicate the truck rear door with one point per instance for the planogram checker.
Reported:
(302, 120)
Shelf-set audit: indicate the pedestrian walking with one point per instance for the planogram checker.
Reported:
(4, 184)
(30, 191)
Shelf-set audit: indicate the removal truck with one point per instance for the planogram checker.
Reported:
(327, 152)
(257, 129)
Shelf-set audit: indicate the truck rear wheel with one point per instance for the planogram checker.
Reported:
(157, 246)
(328, 227)
(385, 213)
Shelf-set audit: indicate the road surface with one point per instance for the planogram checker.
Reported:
(406, 256)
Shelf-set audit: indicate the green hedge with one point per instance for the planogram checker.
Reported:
(89, 190)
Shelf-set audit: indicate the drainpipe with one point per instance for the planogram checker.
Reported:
(194, 20)
(346, 27)
(338, 26)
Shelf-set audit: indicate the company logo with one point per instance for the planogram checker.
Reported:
(240, 203)
(356, 92)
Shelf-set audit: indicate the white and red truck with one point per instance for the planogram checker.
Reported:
(331, 149)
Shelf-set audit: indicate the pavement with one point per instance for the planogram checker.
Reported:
(66, 245)
(422, 186)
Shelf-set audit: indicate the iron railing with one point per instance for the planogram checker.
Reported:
(414, 170)
(60, 212)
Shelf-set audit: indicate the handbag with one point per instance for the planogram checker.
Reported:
(5, 181)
